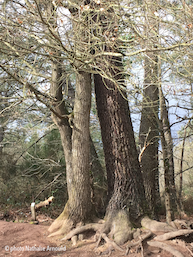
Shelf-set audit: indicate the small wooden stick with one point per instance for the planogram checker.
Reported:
(33, 211)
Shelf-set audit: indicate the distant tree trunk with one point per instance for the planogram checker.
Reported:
(181, 207)
(149, 133)
(149, 126)
(1, 139)
(3, 119)
(97, 170)
(167, 149)
(125, 184)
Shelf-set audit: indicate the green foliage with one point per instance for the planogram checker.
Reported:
(22, 182)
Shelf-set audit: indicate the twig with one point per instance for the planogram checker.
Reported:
(31, 146)
(56, 177)
(145, 146)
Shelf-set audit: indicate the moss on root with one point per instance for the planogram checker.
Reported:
(62, 225)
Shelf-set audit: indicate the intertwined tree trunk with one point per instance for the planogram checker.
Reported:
(76, 145)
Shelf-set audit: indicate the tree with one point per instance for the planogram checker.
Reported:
(120, 150)
(171, 202)
(125, 184)
(149, 130)
(40, 40)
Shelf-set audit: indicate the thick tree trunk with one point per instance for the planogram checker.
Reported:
(104, 109)
(125, 184)
(98, 173)
(76, 145)
(74, 131)
(124, 177)
(80, 195)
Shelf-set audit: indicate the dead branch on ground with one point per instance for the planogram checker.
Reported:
(44, 203)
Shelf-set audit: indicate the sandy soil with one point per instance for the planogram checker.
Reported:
(30, 240)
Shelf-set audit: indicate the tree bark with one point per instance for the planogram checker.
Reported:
(74, 132)
(167, 149)
(76, 145)
(80, 192)
(149, 126)
(125, 184)
(97, 170)
(149, 133)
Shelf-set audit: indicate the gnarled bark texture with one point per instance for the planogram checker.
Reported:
(123, 172)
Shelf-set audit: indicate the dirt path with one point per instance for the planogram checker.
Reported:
(27, 240)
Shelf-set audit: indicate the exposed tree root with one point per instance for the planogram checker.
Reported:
(165, 247)
(112, 244)
(173, 234)
(97, 228)
(154, 225)
(189, 251)
(120, 229)
(79, 230)
(139, 242)
(182, 224)
(62, 227)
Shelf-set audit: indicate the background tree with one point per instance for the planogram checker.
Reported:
(149, 131)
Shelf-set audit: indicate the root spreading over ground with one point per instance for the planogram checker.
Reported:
(118, 230)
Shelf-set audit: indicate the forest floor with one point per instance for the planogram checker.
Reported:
(20, 238)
